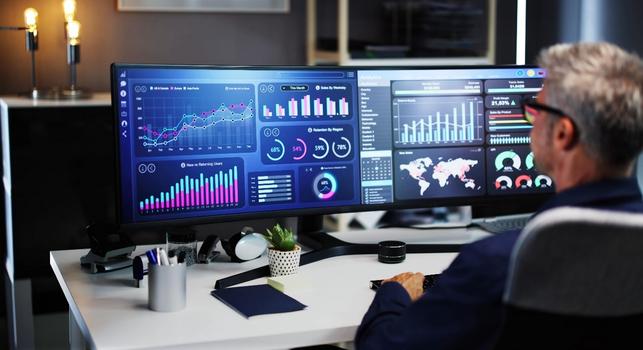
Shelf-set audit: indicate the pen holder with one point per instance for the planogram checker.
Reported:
(166, 287)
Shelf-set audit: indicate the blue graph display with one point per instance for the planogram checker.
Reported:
(303, 144)
(305, 102)
(512, 169)
(195, 118)
(438, 121)
(329, 183)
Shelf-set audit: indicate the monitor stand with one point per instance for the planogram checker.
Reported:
(310, 234)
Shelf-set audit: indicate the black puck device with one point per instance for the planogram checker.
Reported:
(391, 252)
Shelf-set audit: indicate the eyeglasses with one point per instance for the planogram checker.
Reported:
(531, 109)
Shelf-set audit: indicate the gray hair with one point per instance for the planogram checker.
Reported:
(599, 86)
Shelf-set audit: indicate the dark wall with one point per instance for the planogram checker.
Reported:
(108, 35)
(506, 32)
(622, 23)
(554, 21)
(550, 22)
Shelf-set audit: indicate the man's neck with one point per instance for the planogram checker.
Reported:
(581, 169)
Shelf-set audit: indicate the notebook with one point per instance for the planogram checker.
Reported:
(257, 300)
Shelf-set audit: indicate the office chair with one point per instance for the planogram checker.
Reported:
(576, 282)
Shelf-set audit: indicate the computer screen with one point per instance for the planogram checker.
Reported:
(210, 144)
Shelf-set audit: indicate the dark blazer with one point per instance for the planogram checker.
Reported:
(464, 309)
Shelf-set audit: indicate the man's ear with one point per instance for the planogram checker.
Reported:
(565, 134)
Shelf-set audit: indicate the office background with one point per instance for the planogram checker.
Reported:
(109, 35)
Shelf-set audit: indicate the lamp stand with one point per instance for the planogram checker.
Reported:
(32, 46)
(73, 58)
(72, 92)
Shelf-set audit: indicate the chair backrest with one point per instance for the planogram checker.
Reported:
(575, 281)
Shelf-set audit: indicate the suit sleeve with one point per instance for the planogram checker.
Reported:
(461, 311)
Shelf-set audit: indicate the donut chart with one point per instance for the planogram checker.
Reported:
(513, 170)
(342, 148)
(513, 156)
(321, 149)
(529, 161)
(304, 144)
(325, 185)
(276, 153)
(302, 148)
(504, 182)
(543, 181)
(523, 181)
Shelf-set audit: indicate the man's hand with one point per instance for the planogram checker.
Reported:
(412, 282)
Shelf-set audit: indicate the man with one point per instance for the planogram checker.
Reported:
(587, 132)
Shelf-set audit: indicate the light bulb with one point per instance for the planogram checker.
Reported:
(31, 19)
(69, 8)
(73, 32)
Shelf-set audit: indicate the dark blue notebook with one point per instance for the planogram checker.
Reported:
(257, 300)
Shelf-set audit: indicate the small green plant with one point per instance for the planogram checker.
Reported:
(280, 238)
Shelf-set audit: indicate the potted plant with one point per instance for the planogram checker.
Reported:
(283, 253)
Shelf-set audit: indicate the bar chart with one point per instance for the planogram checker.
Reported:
(509, 139)
(271, 188)
(302, 107)
(202, 188)
(437, 121)
(306, 102)
(507, 120)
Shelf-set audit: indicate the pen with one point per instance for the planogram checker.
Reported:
(158, 255)
(164, 260)
(151, 257)
(172, 258)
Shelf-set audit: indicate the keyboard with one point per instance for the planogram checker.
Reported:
(429, 281)
(503, 223)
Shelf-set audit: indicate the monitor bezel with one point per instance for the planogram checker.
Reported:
(485, 200)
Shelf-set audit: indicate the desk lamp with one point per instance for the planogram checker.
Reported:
(31, 21)
(72, 34)
(31, 34)
(73, 58)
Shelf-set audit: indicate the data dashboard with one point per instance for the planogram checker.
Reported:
(209, 142)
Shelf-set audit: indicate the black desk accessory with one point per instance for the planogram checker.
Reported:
(207, 252)
(257, 300)
(140, 268)
(109, 248)
(391, 252)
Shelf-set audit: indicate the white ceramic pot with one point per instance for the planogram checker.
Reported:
(283, 263)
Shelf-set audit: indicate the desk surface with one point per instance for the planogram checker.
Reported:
(112, 313)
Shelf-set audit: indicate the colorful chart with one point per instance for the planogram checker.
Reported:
(302, 102)
(437, 121)
(512, 170)
(167, 187)
(203, 118)
(302, 144)
(326, 183)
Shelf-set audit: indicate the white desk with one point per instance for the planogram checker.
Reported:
(112, 314)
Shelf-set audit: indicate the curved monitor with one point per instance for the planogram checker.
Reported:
(208, 144)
